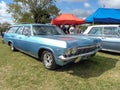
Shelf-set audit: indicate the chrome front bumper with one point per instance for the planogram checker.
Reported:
(80, 55)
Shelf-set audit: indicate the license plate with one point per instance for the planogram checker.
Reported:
(77, 60)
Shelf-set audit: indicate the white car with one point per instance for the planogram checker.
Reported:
(109, 34)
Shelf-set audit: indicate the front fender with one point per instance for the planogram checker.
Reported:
(55, 51)
(10, 41)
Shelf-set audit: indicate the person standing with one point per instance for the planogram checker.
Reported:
(64, 29)
(76, 29)
(72, 29)
(2, 34)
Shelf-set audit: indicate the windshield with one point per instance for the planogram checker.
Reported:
(46, 30)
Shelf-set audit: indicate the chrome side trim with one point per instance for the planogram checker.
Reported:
(80, 55)
(110, 50)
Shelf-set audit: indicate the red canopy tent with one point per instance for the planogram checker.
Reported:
(67, 19)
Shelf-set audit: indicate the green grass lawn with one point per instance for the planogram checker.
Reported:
(19, 71)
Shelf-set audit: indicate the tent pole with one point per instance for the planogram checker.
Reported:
(93, 20)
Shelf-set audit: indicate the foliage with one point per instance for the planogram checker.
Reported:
(83, 27)
(19, 71)
(4, 26)
(33, 11)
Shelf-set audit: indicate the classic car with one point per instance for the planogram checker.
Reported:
(49, 44)
(109, 34)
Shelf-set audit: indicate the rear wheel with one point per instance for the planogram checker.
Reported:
(12, 47)
(48, 60)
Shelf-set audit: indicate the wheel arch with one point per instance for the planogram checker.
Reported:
(40, 51)
(9, 42)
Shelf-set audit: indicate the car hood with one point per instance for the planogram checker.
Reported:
(69, 40)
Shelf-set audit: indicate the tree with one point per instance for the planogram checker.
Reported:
(33, 11)
(4, 26)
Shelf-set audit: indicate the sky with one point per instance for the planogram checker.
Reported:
(80, 8)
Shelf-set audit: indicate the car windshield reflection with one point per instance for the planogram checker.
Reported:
(46, 30)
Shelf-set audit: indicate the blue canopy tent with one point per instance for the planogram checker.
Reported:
(105, 15)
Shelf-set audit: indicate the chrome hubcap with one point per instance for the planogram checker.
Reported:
(47, 59)
(12, 48)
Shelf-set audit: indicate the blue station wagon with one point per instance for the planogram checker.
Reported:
(49, 44)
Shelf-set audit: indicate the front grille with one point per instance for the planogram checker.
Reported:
(83, 50)
(88, 49)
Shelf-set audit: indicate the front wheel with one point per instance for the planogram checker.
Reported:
(48, 60)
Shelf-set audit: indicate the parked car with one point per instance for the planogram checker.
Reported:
(109, 34)
(50, 44)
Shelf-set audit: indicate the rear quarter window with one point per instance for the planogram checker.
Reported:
(12, 29)
(110, 31)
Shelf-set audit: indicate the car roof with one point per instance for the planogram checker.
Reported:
(109, 25)
(32, 24)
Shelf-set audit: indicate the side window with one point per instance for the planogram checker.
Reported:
(12, 29)
(26, 30)
(19, 31)
(110, 31)
(119, 31)
(96, 31)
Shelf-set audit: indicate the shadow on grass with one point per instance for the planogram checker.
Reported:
(111, 53)
(90, 68)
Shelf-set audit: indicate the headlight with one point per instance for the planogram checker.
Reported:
(73, 50)
(98, 45)
(67, 52)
